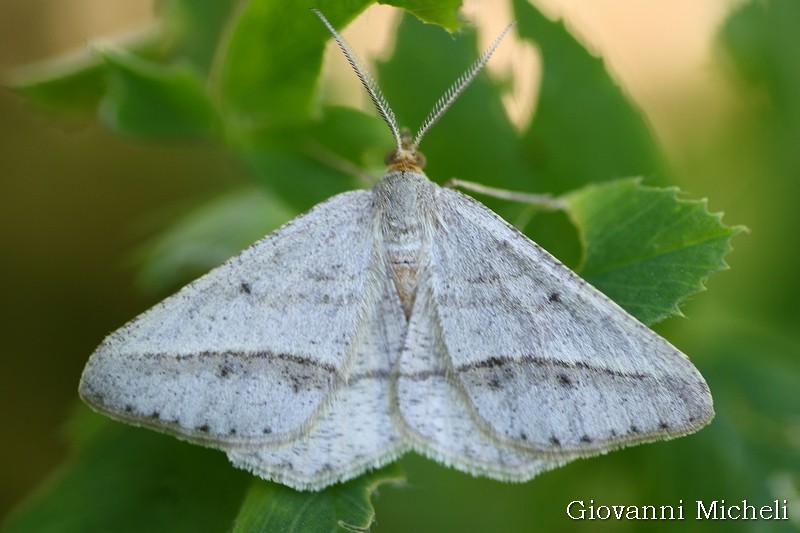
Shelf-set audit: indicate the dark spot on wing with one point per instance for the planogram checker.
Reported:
(494, 383)
(232, 431)
(224, 370)
(554, 441)
(523, 436)
(128, 408)
(204, 428)
(155, 414)
(320, 275)
(285, 465)
(266, 431)
(634, 429)
(586, 438)
(245, 288)
(564, 380)
(554, 298)
(663, 425)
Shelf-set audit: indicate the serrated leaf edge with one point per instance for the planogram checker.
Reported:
(674, 192)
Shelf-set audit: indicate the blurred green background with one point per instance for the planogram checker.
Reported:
(719, 85)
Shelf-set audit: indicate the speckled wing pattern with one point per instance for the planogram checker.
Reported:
(522, 365)
(297, 359)
(356, 432)
(253, 354)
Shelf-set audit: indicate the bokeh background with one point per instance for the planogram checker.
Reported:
(721, 94)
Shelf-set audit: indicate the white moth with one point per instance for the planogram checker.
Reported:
(404, 317)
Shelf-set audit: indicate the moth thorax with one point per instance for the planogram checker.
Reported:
(403, 196)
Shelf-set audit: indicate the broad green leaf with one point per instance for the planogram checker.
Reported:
(195, 30)
(757, 400)
(311, 162)
(128, 480)
(585, 129)
(207, 236)
(151, 100)
(751, 447)
(645, 248)
(761, 39)
(270, 65)
(69, 87)
(350, 135)
(343, 507)
(74, 85)
(444, 13)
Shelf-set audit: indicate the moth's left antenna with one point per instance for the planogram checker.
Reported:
(366, 80)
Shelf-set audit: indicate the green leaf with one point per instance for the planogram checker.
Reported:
(74, 85)
(307, 164)
(125, 479)
(269, 82)
(757, 404)
(151, 100)
(269, 69)
(585, 128)
(444, 13)
(207, 236)
(761, 39)
(645, 248)
(195, 30)
(271, 507)
(69, 87)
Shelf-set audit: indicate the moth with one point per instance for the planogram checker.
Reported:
(404, 317)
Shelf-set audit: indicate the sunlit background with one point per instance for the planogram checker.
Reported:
(77, 200)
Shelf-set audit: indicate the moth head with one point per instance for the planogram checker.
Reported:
(406, 155)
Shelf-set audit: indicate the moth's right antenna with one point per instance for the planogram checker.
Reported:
(456, 89)
(366, 80)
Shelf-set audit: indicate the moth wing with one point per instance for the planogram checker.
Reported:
(435, 413)
(253, 350)
(547, 362)
(356, 432)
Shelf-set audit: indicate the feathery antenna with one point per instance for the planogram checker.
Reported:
(456, 89)
(382, 105)
(366, 80)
